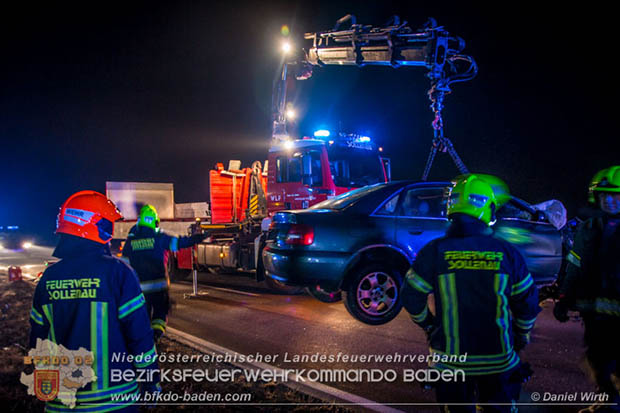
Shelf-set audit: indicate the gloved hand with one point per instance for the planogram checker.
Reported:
(522, 374)
(198, 238)
(150, 388)
(157, 335)
(560, 311)
(520, 341)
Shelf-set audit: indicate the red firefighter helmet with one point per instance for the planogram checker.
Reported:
(88, 214)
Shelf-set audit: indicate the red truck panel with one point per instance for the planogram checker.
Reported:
(222, 194)
(184, 258)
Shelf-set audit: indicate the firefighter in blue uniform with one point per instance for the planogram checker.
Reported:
(592, 284)
(145, 248)
(93, 300)
(486, 303)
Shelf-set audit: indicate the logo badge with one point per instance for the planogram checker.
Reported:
(46, 384)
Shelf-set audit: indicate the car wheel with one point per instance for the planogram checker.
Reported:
(324, 296)
(282, 288)
(176, 273)
(373, 293)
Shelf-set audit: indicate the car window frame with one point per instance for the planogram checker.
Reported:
(384, 202)
(371, 188)
(407, 188)
(524, 206)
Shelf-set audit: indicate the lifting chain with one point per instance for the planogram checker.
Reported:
(440, 143)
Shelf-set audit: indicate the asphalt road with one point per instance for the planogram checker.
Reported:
(246, 317)
(239, 314)
(31, 261)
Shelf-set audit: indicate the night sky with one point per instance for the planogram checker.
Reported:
(161, 91)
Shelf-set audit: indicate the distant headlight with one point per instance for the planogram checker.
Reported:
(27, 245)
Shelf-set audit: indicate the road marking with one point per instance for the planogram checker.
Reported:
(230, 290)
(317, 390)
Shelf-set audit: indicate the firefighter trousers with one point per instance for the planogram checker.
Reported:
(158, 306)
(492, 392)
(603, 352)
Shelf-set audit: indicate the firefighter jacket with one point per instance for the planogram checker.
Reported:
(484, 296)
(592, 281)
(146, 248)
(93, 300)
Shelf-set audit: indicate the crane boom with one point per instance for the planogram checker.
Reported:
(395, 45)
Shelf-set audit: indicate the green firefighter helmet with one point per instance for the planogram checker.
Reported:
(473, 196)
(148, 217)
(608, 180)
(498, 185)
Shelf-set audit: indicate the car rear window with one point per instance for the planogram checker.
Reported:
(348, 198)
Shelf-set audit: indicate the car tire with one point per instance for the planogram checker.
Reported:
(324, 296)
(175, 273)
(372, 295)
(282, 288)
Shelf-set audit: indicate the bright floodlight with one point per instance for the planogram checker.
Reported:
(288, 144)
(290, 114)
(321, 133)
(26, 245)
(286, 47)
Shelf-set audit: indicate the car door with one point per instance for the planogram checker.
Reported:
(539, 242)
(420, 217)
(382, 221)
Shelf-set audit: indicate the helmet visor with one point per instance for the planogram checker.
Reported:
(453, 199)
(106, 229)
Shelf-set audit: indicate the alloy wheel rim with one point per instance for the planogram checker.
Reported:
(377, 293)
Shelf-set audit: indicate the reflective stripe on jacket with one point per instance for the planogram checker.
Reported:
(484, 295)
(92, 300)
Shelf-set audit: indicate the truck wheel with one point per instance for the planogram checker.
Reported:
(176, 273)
(373, 293)
(324, 296)
(282, 288)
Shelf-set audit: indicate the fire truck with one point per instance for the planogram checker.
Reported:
(297, 174)
(302, 171)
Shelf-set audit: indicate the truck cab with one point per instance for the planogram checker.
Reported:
(306, 171)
